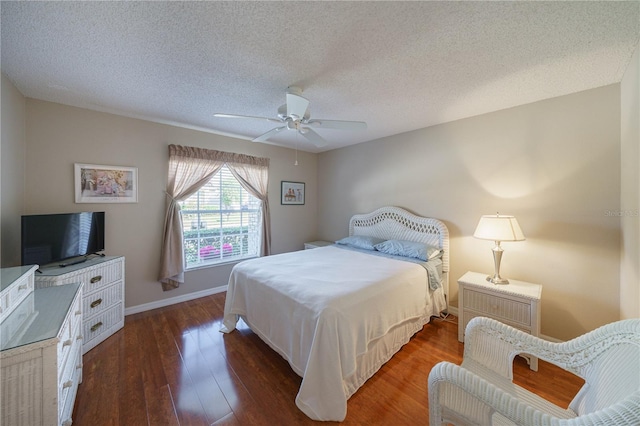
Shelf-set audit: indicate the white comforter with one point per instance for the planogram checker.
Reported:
(320, 309)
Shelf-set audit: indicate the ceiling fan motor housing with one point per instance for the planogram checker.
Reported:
(292, 124)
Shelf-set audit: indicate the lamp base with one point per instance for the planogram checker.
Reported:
(497, 279)
(497, 256)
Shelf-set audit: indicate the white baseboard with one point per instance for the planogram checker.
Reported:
(173, 300)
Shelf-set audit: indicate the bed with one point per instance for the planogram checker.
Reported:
(338, 313)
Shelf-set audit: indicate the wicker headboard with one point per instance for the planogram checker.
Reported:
(397, 223)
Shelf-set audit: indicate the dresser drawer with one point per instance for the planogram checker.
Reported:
(101, 326)
(69, 364)
(71, 373)
(18, 283)
(102, 299)
(498, 307)
(70, 337)
(69, 400)
(103, 275)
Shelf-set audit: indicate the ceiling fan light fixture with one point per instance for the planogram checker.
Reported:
(293, 115)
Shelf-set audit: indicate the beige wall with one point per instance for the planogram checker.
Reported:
(58, 136)
(12, 155)
(554, 164)
(630, 190)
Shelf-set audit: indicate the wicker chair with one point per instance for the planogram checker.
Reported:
(481, 390)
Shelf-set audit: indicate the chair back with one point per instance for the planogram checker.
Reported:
(611, 366)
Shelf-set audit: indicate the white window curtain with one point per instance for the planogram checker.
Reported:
(189, 169)
(253, 175)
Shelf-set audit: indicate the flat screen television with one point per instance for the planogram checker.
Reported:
(50, 238)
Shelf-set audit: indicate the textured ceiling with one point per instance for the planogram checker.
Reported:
(398, 66)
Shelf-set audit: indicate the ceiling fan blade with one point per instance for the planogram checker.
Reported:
(296, 105)
(221, 115)
(337, 124)
(270, 133)
(313, 137)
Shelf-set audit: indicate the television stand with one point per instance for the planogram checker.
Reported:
(73, 262)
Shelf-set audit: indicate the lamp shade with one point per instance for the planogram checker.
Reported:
(499, 228)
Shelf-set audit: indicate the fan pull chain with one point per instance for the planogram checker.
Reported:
(297, 136)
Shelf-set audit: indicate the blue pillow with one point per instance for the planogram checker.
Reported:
(420, 251)
(360, 241)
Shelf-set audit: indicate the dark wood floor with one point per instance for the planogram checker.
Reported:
(171, 366)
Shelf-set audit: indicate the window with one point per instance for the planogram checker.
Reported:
(221, 222)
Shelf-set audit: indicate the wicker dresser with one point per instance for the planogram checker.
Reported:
(103, 300)
(41, 357)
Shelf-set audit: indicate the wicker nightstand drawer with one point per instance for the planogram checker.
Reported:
(498, 307)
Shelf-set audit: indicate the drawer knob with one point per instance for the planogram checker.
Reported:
(96, 326)
(66, 343)
(96, 303)
(67, 422)
(96, 279)
(67, 384)
(78, 312)
(79, 337)
(22, 287)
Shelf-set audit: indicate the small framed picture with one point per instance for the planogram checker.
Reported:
(105, 184)
(292, 193)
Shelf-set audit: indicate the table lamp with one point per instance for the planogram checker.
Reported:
(498, 228)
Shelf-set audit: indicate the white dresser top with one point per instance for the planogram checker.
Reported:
(55, 270)
(515, 287)
(9, 275)
(41, 317)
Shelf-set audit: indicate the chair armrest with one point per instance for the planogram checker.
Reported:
(493, 345)
(458, 395)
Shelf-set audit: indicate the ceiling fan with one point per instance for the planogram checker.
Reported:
(294, 115)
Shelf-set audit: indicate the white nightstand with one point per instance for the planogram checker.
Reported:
(516, 304)
(316, 244)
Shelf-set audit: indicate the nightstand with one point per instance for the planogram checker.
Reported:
(316, 244)
(516, 304)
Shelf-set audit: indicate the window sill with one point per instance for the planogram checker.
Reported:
(213, 265)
